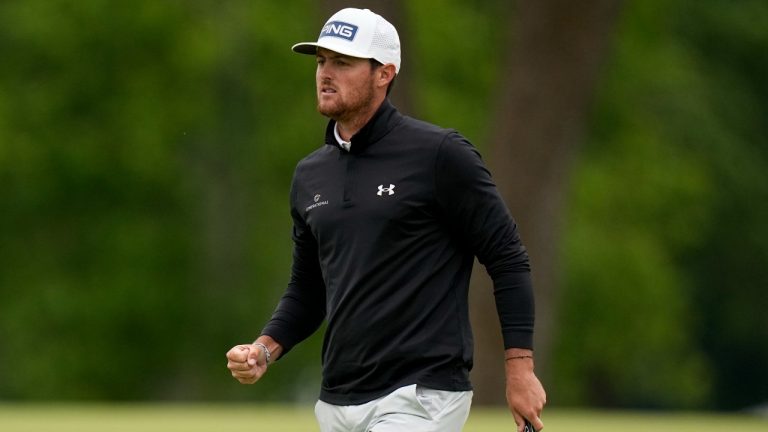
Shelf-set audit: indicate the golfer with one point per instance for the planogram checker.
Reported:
(388, 216)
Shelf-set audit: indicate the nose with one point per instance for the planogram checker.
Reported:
(323, 73)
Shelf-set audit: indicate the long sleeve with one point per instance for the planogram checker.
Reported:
(477, 215)
(385, 237)
(301, 309)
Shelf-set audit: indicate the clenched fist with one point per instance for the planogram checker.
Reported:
(248, 363)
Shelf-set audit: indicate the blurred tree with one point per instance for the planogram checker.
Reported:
(728, 266)
(665, 257)
(135, 150)
(93, 240)
(544, 94)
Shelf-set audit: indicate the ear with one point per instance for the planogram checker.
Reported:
(385, 74)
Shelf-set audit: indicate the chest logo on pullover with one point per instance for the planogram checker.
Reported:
(317, 203)
(390, 190)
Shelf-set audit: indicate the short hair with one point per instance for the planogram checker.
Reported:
(375, 64)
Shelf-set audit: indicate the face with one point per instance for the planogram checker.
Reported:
(345, 85)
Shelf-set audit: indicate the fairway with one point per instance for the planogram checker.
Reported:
(243, 418)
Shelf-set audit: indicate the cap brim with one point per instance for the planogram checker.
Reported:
(311, 48)
(305, 48)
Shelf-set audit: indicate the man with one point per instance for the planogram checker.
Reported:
(388, 217)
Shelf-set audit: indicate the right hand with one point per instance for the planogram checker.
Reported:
(248, 363)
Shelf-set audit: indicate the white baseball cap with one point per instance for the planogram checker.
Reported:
(357, 33)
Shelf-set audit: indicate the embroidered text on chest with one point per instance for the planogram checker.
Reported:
(317, 203)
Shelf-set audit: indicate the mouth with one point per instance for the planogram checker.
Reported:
(327, 90)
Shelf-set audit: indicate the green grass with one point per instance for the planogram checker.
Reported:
(245, 418)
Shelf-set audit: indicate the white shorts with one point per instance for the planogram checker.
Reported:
(412, 408)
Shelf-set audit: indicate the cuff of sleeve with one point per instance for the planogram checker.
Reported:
(518, 340)
(279, 338)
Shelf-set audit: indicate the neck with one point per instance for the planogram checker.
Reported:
(351, 125)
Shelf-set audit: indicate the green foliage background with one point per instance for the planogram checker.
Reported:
(146, 149)
(665, 290)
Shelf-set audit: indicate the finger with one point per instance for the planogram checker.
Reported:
(249, 372)
(246, 369)
(254, 354)
(249, 376)
(537, 423)
(519, 420)
(246, 380)
(238, 353)
(243, 374)
(238, 366)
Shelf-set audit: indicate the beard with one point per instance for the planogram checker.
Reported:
(356, 100)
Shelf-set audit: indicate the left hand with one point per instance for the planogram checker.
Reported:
(525, 394)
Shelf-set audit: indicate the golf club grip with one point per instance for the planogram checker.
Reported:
(528, 427)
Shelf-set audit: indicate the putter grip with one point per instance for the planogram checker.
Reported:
(528, 427)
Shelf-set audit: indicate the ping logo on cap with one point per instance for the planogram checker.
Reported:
(339, 29)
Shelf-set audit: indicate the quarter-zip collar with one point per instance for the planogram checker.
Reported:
(385, 118)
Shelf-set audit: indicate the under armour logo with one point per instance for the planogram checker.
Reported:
(390, 190)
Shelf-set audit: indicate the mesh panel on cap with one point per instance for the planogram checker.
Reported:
(385, 39)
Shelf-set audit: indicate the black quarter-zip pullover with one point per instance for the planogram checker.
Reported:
(384, 240)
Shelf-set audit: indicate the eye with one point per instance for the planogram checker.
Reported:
(320, 60)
